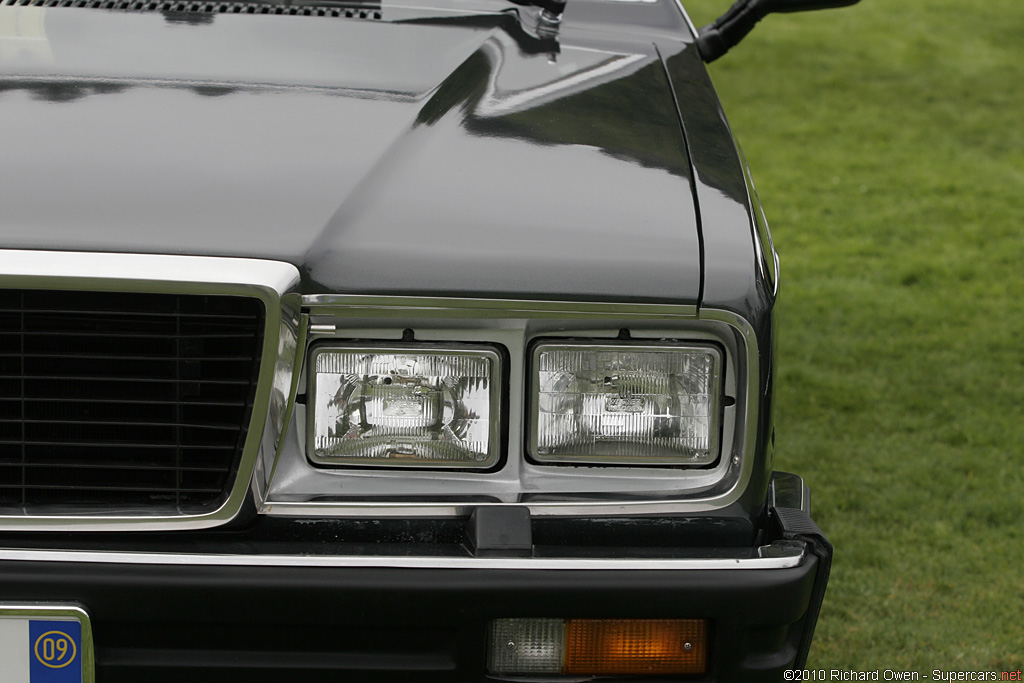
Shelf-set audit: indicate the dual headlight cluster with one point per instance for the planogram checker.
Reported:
(441, 406)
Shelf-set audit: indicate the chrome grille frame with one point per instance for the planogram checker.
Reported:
(267, 281)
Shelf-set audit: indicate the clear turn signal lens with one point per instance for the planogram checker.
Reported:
(405, 407)
(526, 646)
(626, 404)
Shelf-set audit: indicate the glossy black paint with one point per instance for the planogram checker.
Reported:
(426, 153)
(735, 277)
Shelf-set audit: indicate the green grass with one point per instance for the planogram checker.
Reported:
(887, 142)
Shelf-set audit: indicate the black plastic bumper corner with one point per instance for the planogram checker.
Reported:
(795, 524)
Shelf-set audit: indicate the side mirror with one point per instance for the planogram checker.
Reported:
(803, 5)
(715, 39)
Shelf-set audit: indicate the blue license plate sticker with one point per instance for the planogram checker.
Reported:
(55, 651)
(44, 645)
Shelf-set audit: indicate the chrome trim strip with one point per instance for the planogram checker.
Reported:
(686, 17)
(58, 611)
(793, 559)
(137, 272)
(362, 306)
(290, 363)
(590, 508)
(789, 491)
(750, 398)
(267, 281)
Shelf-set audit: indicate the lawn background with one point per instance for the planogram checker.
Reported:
(887, 144)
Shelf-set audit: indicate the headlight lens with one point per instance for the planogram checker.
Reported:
(626, 404)
(405, 407)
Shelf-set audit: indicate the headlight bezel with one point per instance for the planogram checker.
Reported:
(532, 385)
(496, 354)
(295, 487)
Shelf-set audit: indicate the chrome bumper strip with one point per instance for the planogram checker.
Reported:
(611, 507)
(793, 558)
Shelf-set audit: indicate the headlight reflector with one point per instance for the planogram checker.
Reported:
(626, 404)
(405, 406)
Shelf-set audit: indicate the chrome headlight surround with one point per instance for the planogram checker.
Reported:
(297, 487)
(638, 403)
(408, 405)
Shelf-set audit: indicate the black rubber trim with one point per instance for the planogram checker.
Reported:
(797, 525)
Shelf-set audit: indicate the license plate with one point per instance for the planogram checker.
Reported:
(45, 643)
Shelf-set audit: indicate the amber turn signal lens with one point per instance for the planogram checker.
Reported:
(615, 647)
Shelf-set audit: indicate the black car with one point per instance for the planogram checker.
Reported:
(425, 342)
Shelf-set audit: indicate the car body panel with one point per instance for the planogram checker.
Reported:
(384, 157)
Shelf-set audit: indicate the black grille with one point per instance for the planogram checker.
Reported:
(118, 401)
(311, 8)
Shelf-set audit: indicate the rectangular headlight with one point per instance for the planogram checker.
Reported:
(405, 406)
(626, 404)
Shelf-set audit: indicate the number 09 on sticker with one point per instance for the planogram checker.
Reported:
(55, 656)
(41, 650)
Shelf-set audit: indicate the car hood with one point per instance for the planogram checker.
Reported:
(421, 153)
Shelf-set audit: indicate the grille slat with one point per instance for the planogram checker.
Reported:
(149, 489)
(108, 444)
(307, 8)
(119, 466)
(133, 315)
(94, 378)
(102, 401)
(112, 356)
(100, 335)
(139, 401)
(127, 422)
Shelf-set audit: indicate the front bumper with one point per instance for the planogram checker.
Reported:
(265, 612)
